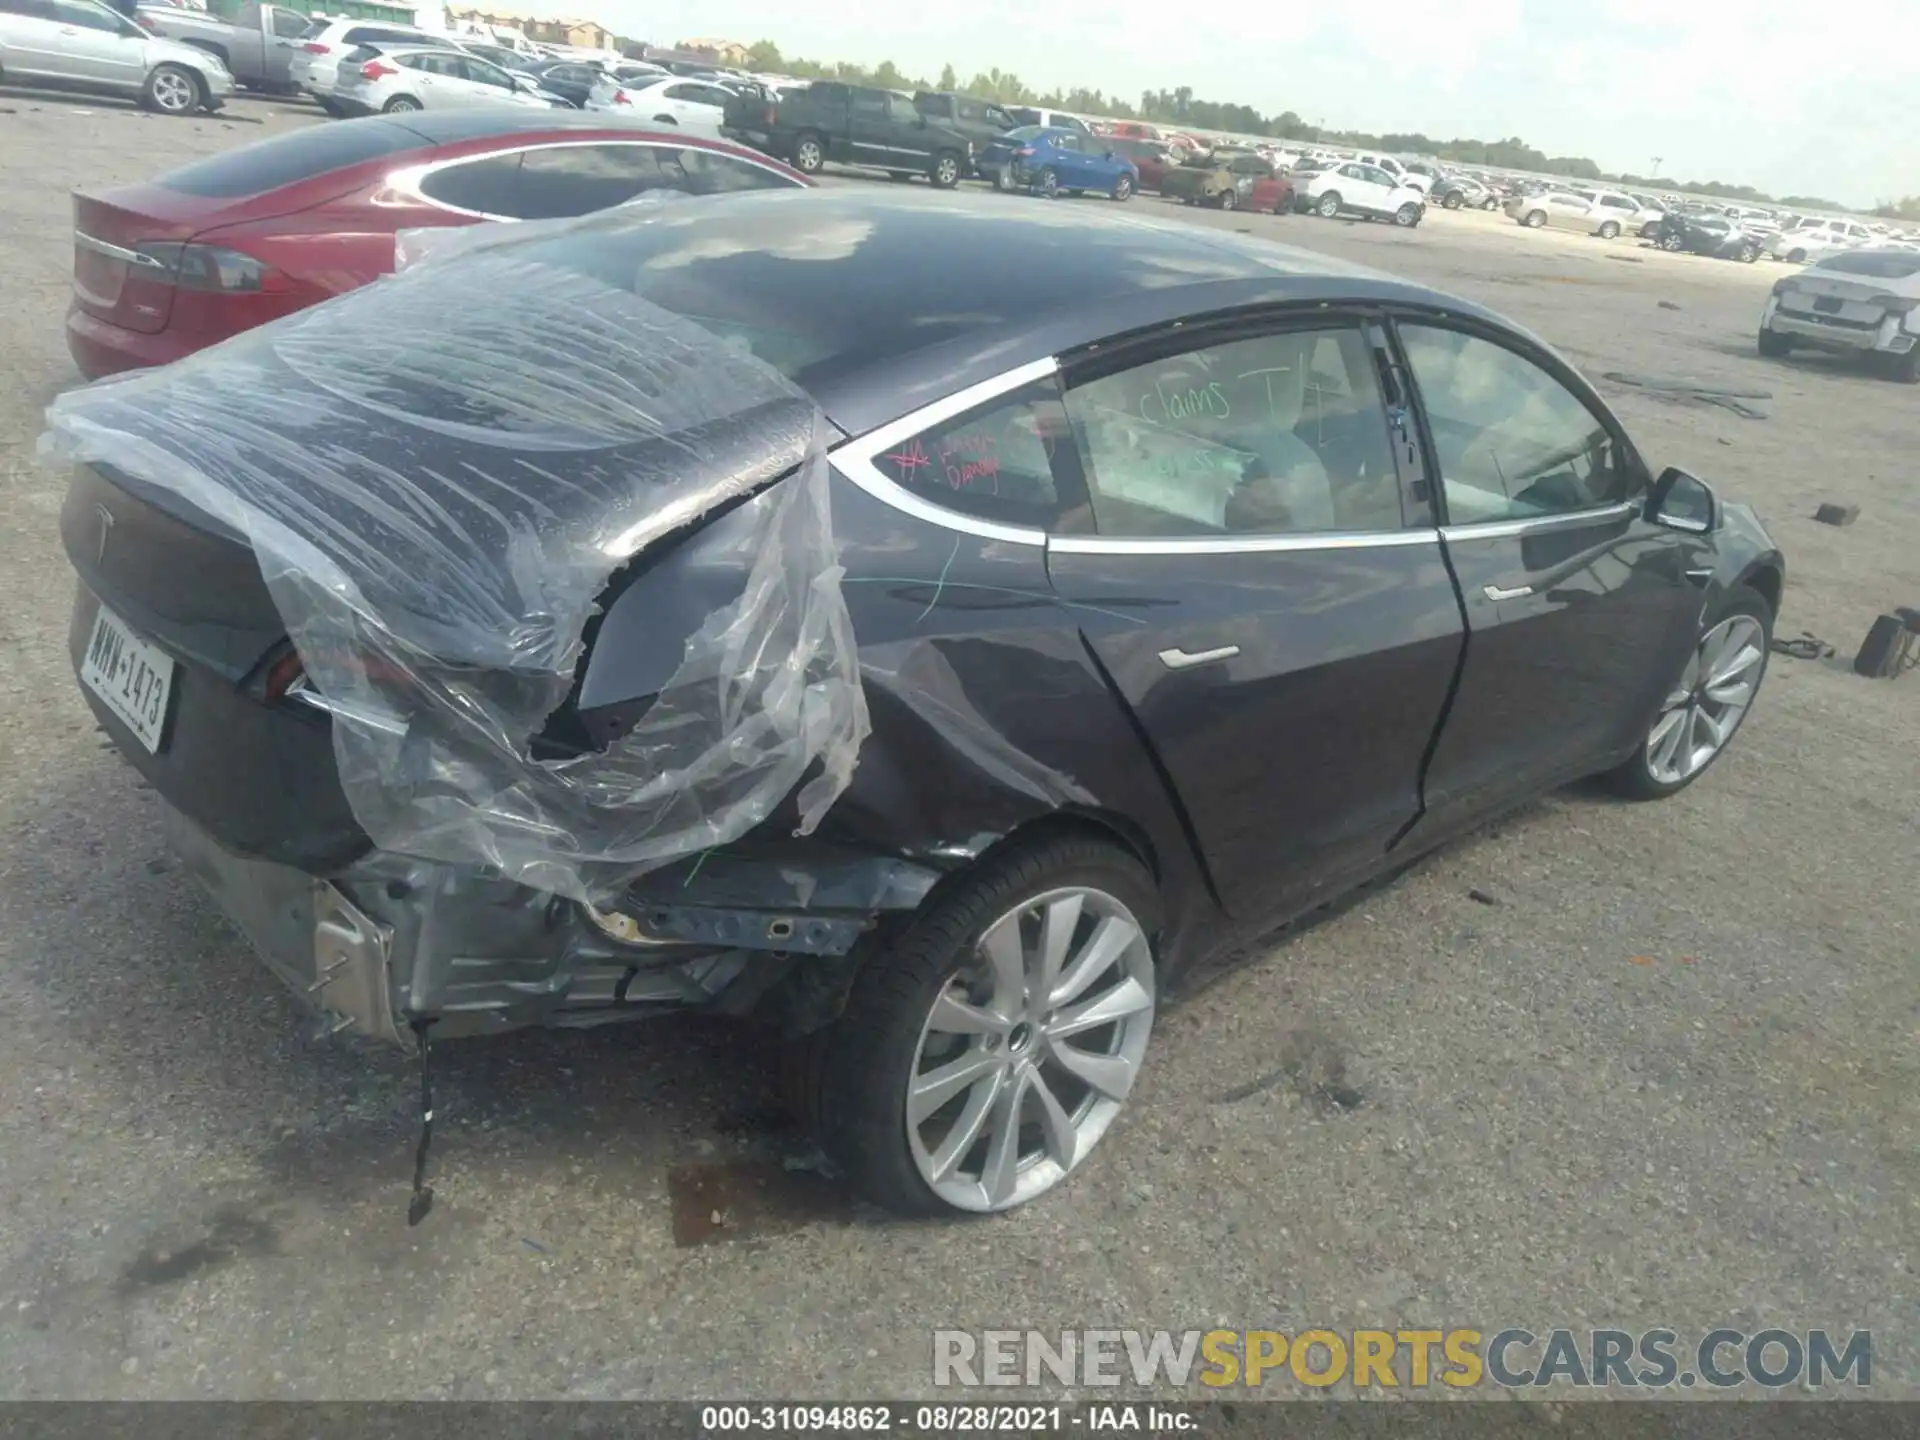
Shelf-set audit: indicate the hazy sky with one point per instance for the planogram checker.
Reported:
(1797, 98)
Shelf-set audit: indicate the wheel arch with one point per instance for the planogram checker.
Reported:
(1767, 580)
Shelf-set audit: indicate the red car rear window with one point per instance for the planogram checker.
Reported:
(287, 159)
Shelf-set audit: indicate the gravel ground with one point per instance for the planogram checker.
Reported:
(1668, 1078)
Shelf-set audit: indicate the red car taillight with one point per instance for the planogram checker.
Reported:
(373, 70)
(1023, 154)
(314, 47)
(146, 22)
(212, 268)
(620, 97)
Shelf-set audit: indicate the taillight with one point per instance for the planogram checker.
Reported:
(146, 22)
(314, 47)
(620, 97)
(213, 268)
(373, 70)
(1022, 154)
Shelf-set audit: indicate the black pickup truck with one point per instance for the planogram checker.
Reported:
(853, 125)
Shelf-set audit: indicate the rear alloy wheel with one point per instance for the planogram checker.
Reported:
(1706, 704)
(1229, 200)
(945, 173)
(1123, 188)
(808, 155)
(1609, 230)
(171, 90)
(1535, 219)
(983, 1056)
(1749, 253)
(1047, 185)
(400, 105)
(1492, 202)
(1329, 206)
(1454, 200)
(1797, 257)
(1407, 215)
(1773, 344)
(1673, 244)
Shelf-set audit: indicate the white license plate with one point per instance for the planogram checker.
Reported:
(131, 675)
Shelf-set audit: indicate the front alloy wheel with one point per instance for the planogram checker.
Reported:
(172, 91)
(1329, 205)
(808, 157)
(1706, 704)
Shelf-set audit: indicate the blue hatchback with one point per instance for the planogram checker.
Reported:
(1050, 161)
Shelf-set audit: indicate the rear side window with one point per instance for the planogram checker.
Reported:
(290, 26)
(485, 186)
(995, 463)
(285, 159)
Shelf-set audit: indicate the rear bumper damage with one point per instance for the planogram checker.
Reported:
(393, 941)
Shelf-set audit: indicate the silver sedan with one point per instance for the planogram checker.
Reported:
(82, 45)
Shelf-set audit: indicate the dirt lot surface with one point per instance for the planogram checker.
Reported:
(1668, 1077)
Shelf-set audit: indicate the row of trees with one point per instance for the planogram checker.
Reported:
(1181, 107)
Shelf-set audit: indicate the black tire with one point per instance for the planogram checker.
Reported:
(400, 105)
(1904, 369)
(1122, 188)
(1328, 205)
(809, 153)
(1773, 344)
(851, 1077)
(172, 90)
(1534, 219)
(1797, 257)
(1609, 230)
(1749, 253)
(1407, 216)
(1047, 184)
(1229, 200)
(1632, 778)
(1454, 200)
(945, 171)
(1492, 202)
(1673, 244)
(333, 108)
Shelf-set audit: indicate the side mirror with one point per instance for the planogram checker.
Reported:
(1681, 501)
(1110, 155)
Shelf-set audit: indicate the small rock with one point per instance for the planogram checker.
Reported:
(1837, 514)
(130, 1366)
(1668, 305)
(1483, 897)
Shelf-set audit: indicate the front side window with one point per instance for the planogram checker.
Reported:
(1276, 435)
(482, 73)
(902, 111)
(289, 24)
(869, 105)
(995, 463)
(1513, 443)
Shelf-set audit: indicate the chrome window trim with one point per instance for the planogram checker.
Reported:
(854, 458)
(409, 179)
(1240, 544)
(1496, 529)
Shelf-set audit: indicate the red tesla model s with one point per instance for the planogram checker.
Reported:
(169, 267)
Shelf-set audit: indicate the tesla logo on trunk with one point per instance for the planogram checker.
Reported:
(106, 529)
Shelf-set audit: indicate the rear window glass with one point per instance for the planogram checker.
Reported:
(285, 159)
(1875, 264)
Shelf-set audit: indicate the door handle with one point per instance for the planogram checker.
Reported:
(1497, 592)
(1178, 659)
(1700, 577)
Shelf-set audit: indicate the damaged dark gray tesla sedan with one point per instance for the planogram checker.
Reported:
(922, 625)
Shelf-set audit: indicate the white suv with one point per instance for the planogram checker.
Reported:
(1810, 237)
(1400, 173)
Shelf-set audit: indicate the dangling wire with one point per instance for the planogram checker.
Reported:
(421, 1201)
